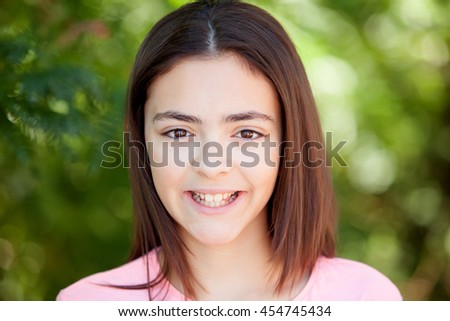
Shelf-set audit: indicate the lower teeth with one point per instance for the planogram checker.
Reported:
(215, 204)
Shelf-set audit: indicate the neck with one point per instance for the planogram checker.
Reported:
(231, 271)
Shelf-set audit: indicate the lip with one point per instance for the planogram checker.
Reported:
(213, 210)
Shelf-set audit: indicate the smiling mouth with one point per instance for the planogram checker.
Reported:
(215, 200)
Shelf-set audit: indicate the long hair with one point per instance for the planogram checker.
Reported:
(302, 213)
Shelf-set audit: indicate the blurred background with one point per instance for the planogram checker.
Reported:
(381, 74)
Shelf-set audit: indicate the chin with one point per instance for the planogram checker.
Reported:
(214, 237)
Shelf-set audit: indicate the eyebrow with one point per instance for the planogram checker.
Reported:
(177, 116)
(250, 115)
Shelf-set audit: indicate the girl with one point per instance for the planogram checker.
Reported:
(219, 107)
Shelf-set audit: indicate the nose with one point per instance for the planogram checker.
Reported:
(211, 160)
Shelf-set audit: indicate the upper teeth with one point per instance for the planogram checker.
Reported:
(213, 197)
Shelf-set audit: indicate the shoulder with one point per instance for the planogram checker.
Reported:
(103, 286)
(344, 279)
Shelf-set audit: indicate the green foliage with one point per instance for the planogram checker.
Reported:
(380, 73)
(45, 100)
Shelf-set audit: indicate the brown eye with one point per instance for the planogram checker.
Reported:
(177, 133)
(249, 134)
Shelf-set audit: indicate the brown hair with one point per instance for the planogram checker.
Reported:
(301, 208)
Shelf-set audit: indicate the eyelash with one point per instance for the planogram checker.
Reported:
(251, 131)
(175, 130)
(168, 133)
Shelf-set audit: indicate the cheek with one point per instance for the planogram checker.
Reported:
(263, 176)
(261, 156)
(260, 163)
(167, 181)
(164, 180)
(167, 175)
(163, 153)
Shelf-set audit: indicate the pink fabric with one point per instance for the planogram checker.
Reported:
(331, 279)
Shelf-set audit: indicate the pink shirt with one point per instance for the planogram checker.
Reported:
(331, 279)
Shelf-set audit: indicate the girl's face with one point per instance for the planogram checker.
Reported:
(213, 129)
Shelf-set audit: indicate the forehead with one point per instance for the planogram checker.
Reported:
(211, 86)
